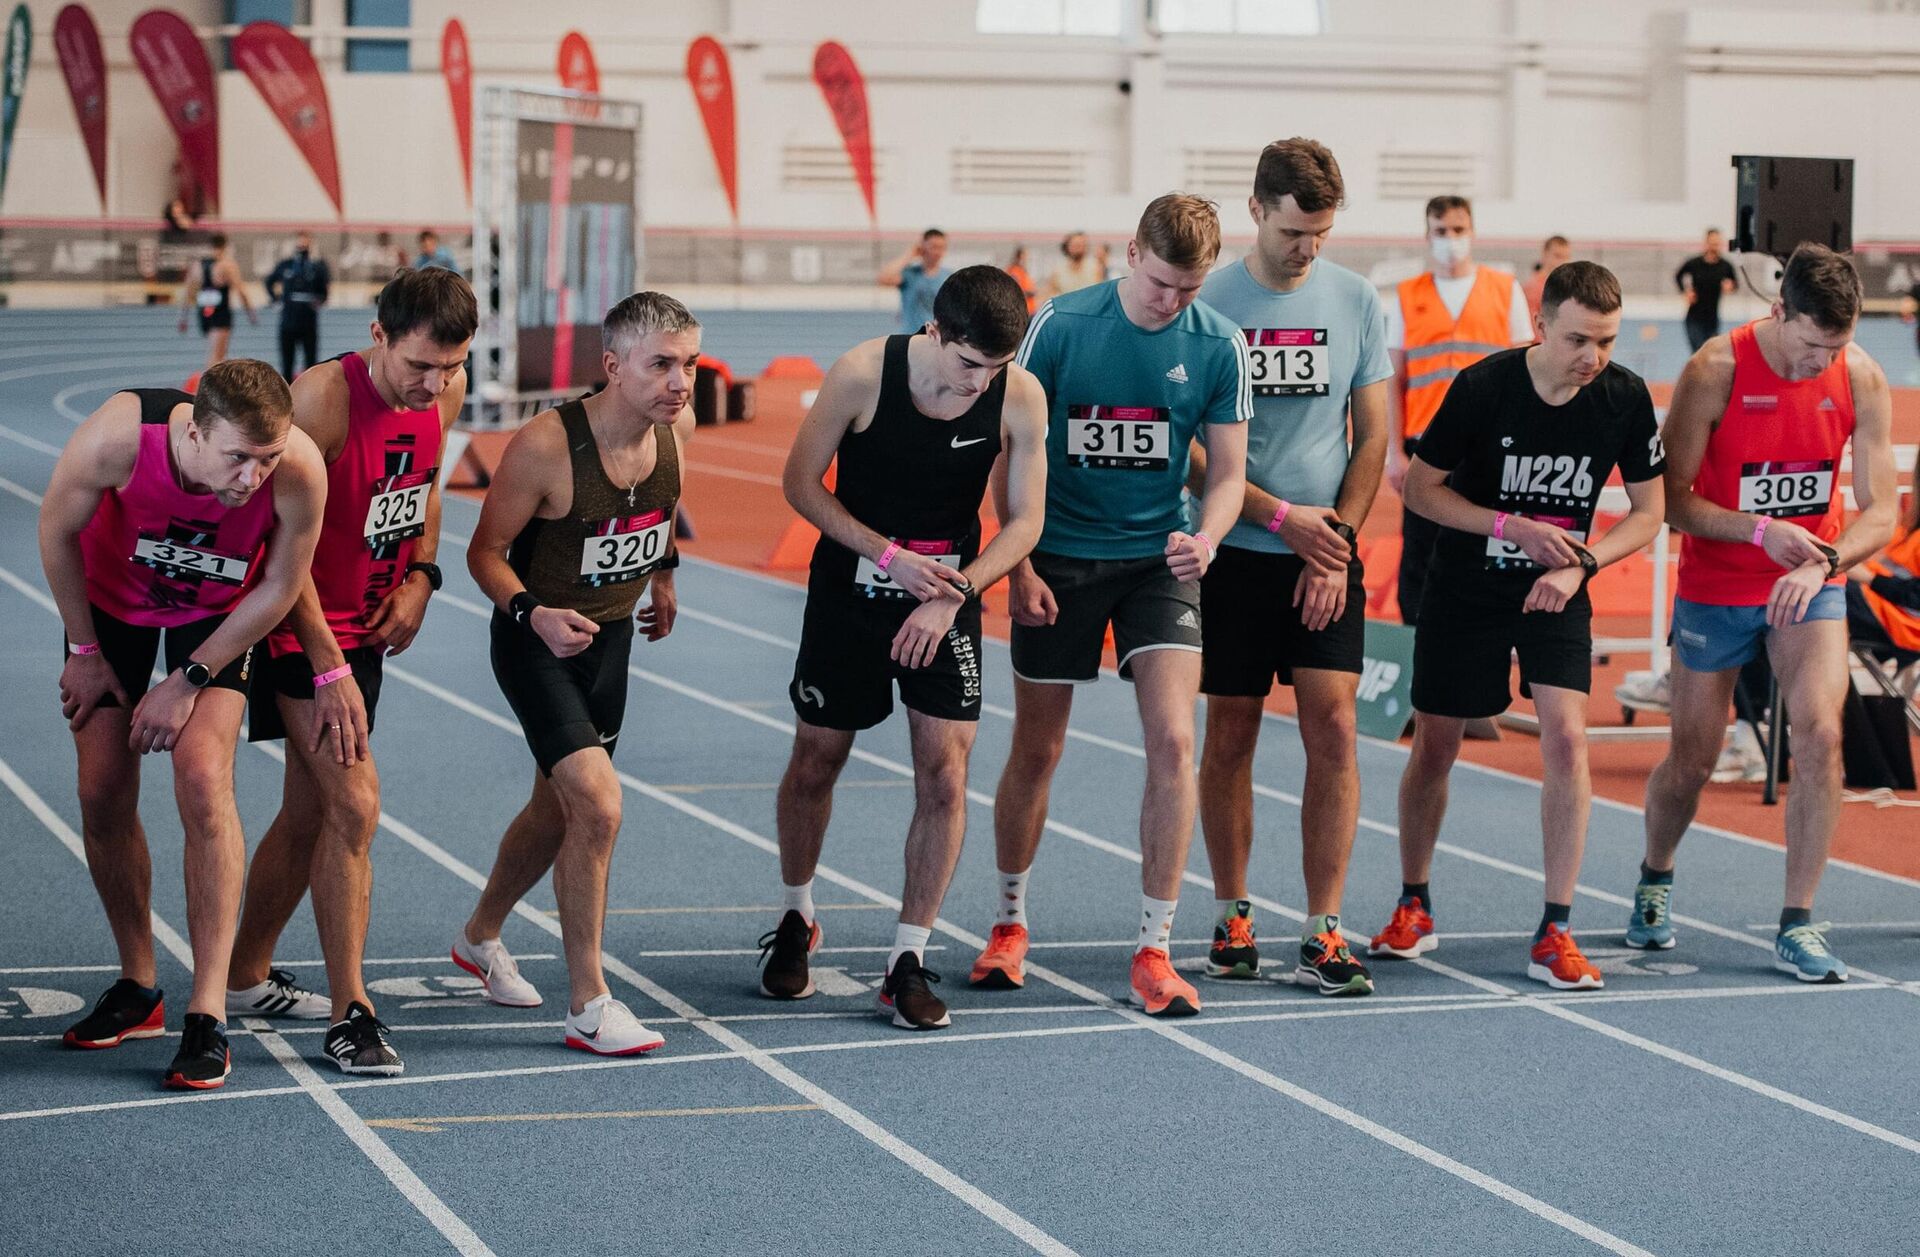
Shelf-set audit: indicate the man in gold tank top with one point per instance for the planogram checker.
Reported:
(577, 525)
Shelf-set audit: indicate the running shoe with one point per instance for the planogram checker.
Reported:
(1001, 967)
(1556, 960)
(909, 1000)
(1327, 965)
(783, 957)
(203, 1061)
(1802, 951)
(359, 1044)
(608, 1028)
(123, 1013)
(1408, 935)
(1158, 989)
(1644, 691)
(1650, 928)
(278, 996)
(1234, 954)
(499, 976)
(1742, 758)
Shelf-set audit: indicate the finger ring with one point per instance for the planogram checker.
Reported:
(333, 726)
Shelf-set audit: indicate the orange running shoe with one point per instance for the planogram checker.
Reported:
(1000, 967)
(1158, 989)
(1557, 962)
(1409, 935)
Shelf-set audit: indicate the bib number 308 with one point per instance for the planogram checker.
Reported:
(1786, 489)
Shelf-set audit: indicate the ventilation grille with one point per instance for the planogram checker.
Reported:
(1219, 171)
(823, 168)
(1019, 171)
(1418, 176)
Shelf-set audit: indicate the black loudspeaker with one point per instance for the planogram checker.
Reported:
(1781, 203)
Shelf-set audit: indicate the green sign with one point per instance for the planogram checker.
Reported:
(1386, 681)
(19, 45)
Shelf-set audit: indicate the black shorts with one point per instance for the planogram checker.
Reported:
(564, 705)
(1252, 631)
(292, 676)
(221, 318)
(131, 650)
(1148, 608)
(1463, 652)
(845, 675)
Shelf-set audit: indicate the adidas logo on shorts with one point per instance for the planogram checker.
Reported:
(1188, 620)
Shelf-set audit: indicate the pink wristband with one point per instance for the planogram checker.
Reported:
(1760, 531)
(1213, 551)
(886, 555)
(83, 648)
(328, 678)
(1279, 516)
(1500, 526)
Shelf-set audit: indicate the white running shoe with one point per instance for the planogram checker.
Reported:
(499, 976)
(278, 996)
(608, 1028)
(1742, 758)
(1645, 691)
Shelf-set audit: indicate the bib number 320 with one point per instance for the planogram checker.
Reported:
(626, 549)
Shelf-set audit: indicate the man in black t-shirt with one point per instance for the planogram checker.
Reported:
(1511, 469)
(1703, 280)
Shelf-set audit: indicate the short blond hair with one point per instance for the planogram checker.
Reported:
(1180, 230)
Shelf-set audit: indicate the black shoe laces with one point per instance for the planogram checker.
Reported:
(795, 935)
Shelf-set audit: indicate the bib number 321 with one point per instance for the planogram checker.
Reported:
(625, 549)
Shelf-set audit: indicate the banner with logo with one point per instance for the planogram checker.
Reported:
(1385, 706)
(575, 189)
(282, 70)
(175, 64)
(712, 81)
(846, 92)
(14, 83)
(456, 66)
(579, 72)
(76, 40)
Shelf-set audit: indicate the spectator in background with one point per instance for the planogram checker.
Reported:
(1703, 280)
(299, 283)
(1017, 267)
(918, 274)
(433, 253)
(1883, 594)
(176, 220)
(1910, 313)
(1078, 269)
(1553, 253)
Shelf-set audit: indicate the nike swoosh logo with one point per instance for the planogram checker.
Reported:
(607, 737)
(959, 444)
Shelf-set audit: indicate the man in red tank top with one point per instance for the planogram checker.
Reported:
(380, 417)
(184, 524)
(1760, 421)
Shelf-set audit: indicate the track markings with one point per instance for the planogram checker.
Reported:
(435, 1125)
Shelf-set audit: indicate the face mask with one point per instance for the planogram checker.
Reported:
(1449, 250)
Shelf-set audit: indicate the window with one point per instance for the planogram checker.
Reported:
(1240, 17)
(1049, 17)
(379, 56)
(288, 13)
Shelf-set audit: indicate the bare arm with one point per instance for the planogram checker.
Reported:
(1224, 492)
(1875, 480)
(426, 547)
(238, 283)
(320, 403)
(1019, 480)
(299, 489)
(518, 492)
(100, 456)
(1371, 414)
(1699, 399)
(893, 272)
(848, 393)
(1646, 510)
(1397, 457)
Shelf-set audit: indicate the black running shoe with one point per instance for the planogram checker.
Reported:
(1234, 953)
(783, 957)
(125, 1012)
(359, 1044)
(203, 1061)
(1327, 966)
(906, 996)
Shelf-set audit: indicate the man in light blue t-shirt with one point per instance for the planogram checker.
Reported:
(918, 274)
(1285, 597)
(1132, 369)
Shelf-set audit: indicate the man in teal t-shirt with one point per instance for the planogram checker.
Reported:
(1285, 597)
(1132, 370)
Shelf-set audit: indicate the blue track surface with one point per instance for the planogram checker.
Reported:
(1700, 1104)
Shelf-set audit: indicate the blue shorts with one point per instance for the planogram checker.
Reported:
(1711, 638)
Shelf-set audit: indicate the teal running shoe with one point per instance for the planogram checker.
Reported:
(1802, 951)
(1650, 928)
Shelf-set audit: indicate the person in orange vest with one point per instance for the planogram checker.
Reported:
(1439, 323)
(1883, 594)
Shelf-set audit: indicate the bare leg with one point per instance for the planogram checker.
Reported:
(217, 341)
(527, 851)
(940, 750)
(1810, 659)
(589, 794)
(1226, 791)
(1423, 791)
(216, 850)
(1040, 715)
(805, 803)
(115, 842)
(1566, 788)
(1330, 803)
(277, 878)
(1166, 684)
(1699, 724)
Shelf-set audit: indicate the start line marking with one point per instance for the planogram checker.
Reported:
(435, 1125)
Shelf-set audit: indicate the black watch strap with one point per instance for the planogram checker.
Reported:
(1589, 566)
(196, 674)
(521, 607)
(431, 569)
(1344, 531)
(1833, 559)
(669, 563)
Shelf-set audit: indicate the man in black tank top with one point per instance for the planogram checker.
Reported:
(577, 524)
(918, 423)
(211, 285)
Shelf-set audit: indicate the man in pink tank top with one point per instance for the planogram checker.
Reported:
(1760, 421)
(379, 417)
(184, 524)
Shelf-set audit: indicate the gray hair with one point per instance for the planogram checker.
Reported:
(640, 315)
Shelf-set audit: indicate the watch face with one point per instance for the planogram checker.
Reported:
(197, 675)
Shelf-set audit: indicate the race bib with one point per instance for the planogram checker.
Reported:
(1787, 488)
(625, 549)
(178, 559)
(1132, 438)
(874, 583)
(1289, 361)
(398, 509)
(1507, 556)
(209, 299)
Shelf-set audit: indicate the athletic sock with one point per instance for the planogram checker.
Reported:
(1556, 914)
(1325, 923)
(1226, 909)
(909, 938)
(798, 899)
(1790, 917)
(1156, 921)
(1417, 890)
(1654, 877)
(1013, 899)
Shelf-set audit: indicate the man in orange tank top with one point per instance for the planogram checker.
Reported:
(1760, 420)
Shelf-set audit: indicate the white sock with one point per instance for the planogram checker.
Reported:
(1156, 921)
(1225, 908)
(798, 899)
(909, 938)
(1013, 899)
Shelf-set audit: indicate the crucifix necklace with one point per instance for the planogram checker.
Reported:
(619, 471)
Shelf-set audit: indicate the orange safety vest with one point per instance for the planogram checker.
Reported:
(1439, 347)
(1902, 623)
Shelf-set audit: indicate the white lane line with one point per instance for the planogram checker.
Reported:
(32, 443)
(277, 963)
(24, 494)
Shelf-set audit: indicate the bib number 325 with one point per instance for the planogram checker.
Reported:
(398, 508)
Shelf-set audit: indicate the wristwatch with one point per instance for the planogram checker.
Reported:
(1589, 566)
(1833, 560)
(1345, 532)
(197, 674)
(966, 589)
(669, 563)
(431, 569)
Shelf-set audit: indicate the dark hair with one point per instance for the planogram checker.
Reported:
(435, 299)
(248, 394)
(426, 232)
(1303, 169)
(981, 306)
(218, 240)
(1439, 206)
(932, 233)
(1181, 230)
(1585, 283)
(1068, 239)
(1822, 285)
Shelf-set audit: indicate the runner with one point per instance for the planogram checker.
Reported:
(379, 417)
(1760, 421)
(916, 424)
(578, 523)
(1132, 369)
(1511, 469)
(211, 285)
(181, 525)
(1285, 598)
